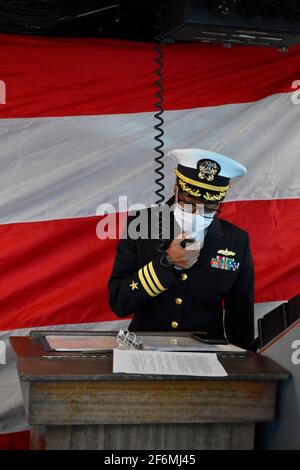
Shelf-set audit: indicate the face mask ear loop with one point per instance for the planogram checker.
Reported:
(176, 197)
(176, 200)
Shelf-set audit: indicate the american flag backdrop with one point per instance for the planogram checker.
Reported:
(77, 130)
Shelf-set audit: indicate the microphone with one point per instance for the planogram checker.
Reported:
(185, 242)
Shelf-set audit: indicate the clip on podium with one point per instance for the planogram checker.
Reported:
(75, 401)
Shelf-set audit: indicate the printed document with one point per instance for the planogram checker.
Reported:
(167, 363)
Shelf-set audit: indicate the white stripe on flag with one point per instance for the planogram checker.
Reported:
(54, 168)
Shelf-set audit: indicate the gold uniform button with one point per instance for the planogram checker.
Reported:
(184, 277)
(178, 301)
(174, 324)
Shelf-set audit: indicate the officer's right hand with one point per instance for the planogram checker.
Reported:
(179, 256)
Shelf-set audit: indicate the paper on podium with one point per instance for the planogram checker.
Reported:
(167, 363)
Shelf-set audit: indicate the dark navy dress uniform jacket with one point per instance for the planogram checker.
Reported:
(203, 298)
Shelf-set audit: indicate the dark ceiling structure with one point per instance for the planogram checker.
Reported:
(127, 19)
(147, 20)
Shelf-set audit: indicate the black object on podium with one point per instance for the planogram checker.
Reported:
(275, 322)
(293, 310)
(272, 324)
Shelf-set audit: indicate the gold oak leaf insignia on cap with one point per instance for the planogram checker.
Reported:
(208, 169)
(226, 252)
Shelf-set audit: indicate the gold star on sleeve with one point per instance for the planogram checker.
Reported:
(133, 285)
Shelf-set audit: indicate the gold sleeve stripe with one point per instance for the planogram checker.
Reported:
(155, 278)
(201, 185)
(149, 280)
(144, 284)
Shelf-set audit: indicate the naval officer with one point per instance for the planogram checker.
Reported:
(199, 275)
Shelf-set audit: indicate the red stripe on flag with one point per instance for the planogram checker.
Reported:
(76, 76)
(56, 272)
(15, 441)
(273, 227)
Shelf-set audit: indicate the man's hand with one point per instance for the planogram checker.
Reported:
(183, 258)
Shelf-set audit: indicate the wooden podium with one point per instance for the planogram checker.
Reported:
(76, 402)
